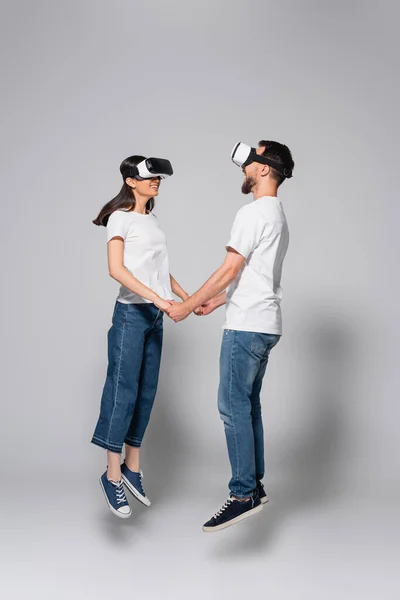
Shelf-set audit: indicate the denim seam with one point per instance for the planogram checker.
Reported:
(117, 382)
(134, 440)
(230, 406)
(155, 320)
(262, 366)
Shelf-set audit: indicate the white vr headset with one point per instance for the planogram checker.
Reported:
(151, 167)
(243, 155)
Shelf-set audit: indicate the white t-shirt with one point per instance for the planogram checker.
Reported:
(145, 253)
(260, 233)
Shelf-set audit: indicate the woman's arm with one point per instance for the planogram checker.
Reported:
(177, 289)
(117, 270)
(212, 304)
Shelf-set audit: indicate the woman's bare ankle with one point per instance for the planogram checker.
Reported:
(113, 466)
(132, 461)
(114, 474)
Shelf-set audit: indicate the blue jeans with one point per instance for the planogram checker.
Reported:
(243, 361)
(134, 355)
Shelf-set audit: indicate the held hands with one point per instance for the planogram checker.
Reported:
(178, 311)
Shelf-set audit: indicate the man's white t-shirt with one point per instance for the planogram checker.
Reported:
(260, 234)
(145, 253)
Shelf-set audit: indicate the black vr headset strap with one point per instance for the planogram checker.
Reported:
(132, 172)
(254, 157)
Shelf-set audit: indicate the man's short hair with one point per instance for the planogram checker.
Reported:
(281, 154)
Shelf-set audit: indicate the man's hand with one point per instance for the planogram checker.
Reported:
(179, 311)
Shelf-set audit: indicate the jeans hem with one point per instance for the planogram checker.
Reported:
(133, 442)
(106, 445)
(242, 496)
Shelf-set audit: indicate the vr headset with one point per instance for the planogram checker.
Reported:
(151, 167)
(243, 155)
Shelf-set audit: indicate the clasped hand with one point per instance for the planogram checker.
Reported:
(178, 311)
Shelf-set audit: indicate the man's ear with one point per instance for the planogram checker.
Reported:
(265, 170)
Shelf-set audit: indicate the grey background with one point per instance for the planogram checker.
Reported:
(85, 84)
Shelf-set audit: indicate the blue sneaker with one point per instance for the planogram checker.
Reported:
(262, 493)
(134, 483)
(115, 496)
(232, 512)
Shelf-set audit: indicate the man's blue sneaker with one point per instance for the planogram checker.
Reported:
(262, 493)
(115, 496)
(134, 483)
(232, 512)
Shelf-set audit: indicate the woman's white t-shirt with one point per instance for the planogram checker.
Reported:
(145, 253)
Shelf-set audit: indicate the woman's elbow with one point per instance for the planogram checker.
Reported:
(113, 272)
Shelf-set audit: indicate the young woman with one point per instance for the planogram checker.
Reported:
(138, 260)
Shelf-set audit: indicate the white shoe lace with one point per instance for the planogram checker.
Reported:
(119, 492)
(141, 483)
(224, 507)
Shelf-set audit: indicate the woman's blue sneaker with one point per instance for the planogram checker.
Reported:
(134, 483)
(262, 493)
(115, 496)
(232, 512)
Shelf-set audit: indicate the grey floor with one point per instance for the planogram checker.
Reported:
(60, 544)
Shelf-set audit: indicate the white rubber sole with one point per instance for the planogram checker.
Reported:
(115, 512)
(143, 499)
(264, 500)
(249, 513)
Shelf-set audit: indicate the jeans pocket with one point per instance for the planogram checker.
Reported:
(115, 309)
(119, 314)
(262, 344)
(258, 347)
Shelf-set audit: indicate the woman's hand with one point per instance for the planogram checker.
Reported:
(207, 307)
(162, 304)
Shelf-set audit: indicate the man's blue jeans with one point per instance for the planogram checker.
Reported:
(243, 361)
(134, 355)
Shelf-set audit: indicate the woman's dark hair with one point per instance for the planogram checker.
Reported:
(125, 200)
(281, 154)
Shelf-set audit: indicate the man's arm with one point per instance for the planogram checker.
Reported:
(217, 283)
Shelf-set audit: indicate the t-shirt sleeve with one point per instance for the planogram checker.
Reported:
(246, 233)
(117, 225)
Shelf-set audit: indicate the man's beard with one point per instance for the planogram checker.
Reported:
(248, 185)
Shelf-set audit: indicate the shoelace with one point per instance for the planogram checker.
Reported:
(141, 484)
(120, 492)
(224, 507)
